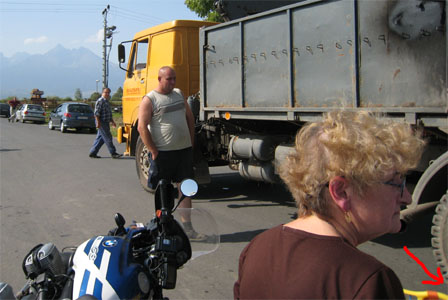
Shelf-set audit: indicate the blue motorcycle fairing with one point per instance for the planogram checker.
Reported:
(104, 268)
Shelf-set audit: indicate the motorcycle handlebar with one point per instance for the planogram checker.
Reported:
(67, 291)
(164, 194)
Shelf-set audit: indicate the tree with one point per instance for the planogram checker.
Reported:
(78, 95)
(53, 101)
(94, 96)
(204, 9)
(9, 98)
(118, 94)
(54, 98)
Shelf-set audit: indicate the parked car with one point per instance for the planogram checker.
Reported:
(72, 115)
(31, 112)
(4, 109)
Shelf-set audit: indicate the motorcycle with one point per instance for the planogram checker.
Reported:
(137, 262)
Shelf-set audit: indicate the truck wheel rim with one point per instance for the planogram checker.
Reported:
(144, 162)
(439, 231)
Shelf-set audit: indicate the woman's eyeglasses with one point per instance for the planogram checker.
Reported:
(401, 185)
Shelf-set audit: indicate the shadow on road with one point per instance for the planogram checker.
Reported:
(240, 193)
(256, 205)
(9, 150)
(240, 237)
(121, 158)
(232, 187)
(127, 157)
(78, 131)
(417, 235)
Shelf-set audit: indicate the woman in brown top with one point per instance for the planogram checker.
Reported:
(347, 175)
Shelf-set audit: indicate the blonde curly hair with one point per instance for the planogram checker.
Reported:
(356, 145)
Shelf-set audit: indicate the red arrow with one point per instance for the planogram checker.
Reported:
(438, 279)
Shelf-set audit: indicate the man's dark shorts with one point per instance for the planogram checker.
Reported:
(173, 165)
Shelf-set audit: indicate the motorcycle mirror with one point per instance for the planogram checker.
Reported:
(189, 187)
(119, 220)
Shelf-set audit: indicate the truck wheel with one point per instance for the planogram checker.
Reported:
(439, 231)
(142, 164)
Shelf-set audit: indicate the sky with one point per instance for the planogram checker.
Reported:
(37, 26)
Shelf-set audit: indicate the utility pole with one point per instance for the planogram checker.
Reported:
(104, 47)
(108, 32)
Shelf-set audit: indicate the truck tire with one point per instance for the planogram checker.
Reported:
(439, 231)
(142, 164)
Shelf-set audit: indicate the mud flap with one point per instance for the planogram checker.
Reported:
(201, 172)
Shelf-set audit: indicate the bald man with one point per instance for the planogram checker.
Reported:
(166, 127)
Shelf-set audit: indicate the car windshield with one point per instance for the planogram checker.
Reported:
(79, 108)
(35, 107)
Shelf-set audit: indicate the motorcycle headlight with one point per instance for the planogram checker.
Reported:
(43, 258)
(143, 282)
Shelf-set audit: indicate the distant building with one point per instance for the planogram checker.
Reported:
(36, 97)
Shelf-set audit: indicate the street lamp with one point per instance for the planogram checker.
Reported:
(110, 31)
(97, 85)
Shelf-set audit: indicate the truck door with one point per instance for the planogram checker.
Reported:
(135, 83)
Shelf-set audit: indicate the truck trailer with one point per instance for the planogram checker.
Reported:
(253, 82)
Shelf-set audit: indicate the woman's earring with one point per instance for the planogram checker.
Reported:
(348, 217)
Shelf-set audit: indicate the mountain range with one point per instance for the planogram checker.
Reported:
(59, 72)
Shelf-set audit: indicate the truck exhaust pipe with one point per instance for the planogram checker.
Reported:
(409, 215)
(258, 155)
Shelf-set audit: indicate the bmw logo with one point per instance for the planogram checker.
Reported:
(110, 243)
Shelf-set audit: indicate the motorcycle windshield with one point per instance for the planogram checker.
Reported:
(203, 234)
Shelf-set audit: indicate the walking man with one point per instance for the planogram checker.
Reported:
(13, 104)
(166, 127)
(103, 116)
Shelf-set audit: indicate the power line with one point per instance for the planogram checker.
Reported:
(25, 7)
(47, 10)
(128, 17)
(51, 4)
(78, 8)
(46, 7)
(137, 14)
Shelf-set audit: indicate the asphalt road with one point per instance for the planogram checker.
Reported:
(52, 191)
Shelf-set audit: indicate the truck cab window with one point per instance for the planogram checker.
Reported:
(142, 54)
(138, 57)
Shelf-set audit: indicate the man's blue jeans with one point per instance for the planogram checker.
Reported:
(103, 136)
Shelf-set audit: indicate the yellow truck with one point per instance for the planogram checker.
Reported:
(263, 76)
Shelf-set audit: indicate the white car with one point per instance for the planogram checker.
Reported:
(31, 112)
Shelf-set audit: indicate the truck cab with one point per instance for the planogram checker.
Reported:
(174, 44)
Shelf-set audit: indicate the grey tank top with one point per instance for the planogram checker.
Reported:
(168, 127)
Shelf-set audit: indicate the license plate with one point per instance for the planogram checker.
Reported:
(82, 118)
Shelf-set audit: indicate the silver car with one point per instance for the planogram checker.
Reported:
(31, 112)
